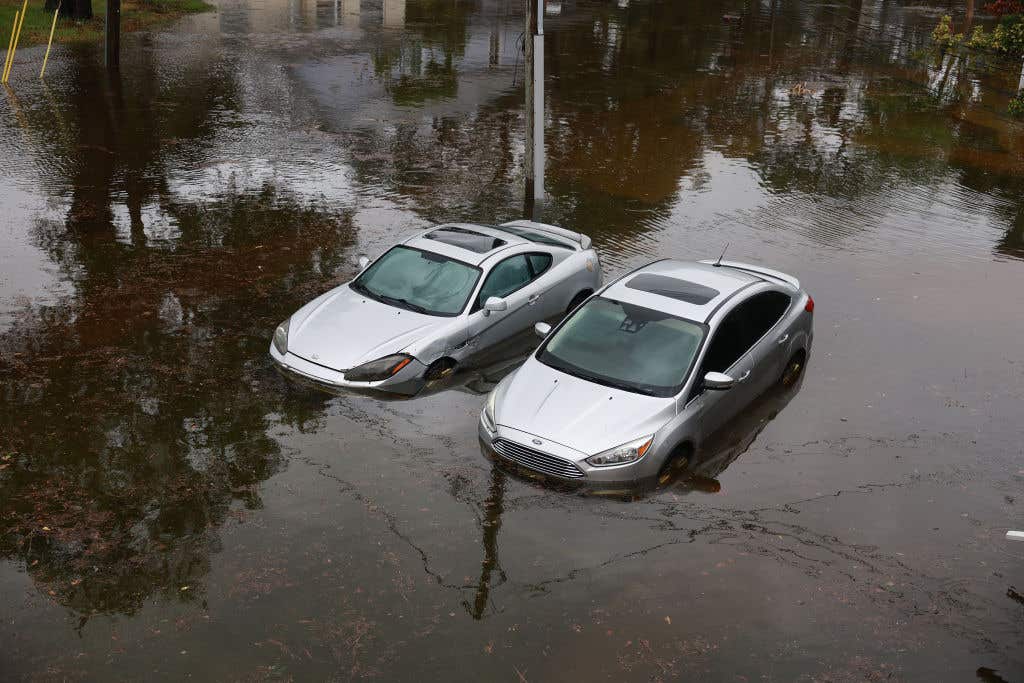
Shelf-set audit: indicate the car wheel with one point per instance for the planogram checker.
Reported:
(676, 463)
(794, 368)
(440, 369)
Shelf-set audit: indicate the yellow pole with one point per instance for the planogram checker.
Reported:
(10, 44)
(17, 36)
(48, 44)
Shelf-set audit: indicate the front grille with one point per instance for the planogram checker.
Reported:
(536, 460)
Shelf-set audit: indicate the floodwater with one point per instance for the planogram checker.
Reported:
(170, 507)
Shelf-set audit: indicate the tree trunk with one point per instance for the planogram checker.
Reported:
(72, 9)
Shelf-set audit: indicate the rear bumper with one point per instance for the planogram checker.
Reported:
(407, 382)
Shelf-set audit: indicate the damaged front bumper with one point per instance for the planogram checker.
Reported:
(406, 382)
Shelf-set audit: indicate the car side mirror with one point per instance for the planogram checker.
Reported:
(362, 261)
(542, 329)
(495, 304)
(718, 381)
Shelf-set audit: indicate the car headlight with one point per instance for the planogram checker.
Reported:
(488, 415)
(281, 337)
(620, 455)
(379, 369)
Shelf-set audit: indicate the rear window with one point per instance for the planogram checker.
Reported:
(673, 288)
(470, 240)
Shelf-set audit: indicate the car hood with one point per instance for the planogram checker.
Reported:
(581, 415)
(342, 329)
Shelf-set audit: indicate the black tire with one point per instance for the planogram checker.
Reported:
(680, 460)
(577, 300)
(441, 368)
(794, 368)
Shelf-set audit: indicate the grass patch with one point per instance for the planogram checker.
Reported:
(135, 16)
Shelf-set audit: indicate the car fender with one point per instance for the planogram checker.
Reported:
(585, 274)
(801, 336)
(682, 428)
(444, 341)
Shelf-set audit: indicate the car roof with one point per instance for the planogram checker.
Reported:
(685, 289)
(462, 246)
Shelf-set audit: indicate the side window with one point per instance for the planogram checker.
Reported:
(539, 263)
(731, 340)
(740, 330)
(505, 278)
(763, 311)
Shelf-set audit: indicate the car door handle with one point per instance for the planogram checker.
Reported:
(782, 340)
(533, 299)
(743, 377)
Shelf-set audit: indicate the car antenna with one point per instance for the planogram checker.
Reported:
(719, 261)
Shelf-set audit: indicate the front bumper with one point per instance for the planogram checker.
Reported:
(625, 475)
(407, 382)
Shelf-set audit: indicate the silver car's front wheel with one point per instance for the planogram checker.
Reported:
(441, 368)
(676, 463)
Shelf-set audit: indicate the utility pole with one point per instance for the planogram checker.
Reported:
(534, 40)
(112, 31)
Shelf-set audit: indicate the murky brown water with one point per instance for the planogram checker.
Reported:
(170, 507)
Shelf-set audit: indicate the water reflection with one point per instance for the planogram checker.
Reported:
(490, 525)
(134, 420)
(226, 175)
(130, 445)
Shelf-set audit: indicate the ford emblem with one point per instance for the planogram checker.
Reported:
(537, 442)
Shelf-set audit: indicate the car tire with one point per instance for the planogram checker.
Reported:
(794, 368)
(679, 460)
(441, 368)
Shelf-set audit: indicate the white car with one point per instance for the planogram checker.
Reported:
(444, 298)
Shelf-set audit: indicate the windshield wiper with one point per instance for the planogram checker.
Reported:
(596, 379)
(404, 303)
(397, 301)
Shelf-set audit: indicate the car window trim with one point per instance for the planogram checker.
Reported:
(478, 269)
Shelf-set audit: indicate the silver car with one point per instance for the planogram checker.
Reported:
(637, 378)
(444, 298)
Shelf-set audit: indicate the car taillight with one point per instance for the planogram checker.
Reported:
(810, 304)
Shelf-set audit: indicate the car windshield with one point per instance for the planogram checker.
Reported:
(420, 281)
(625, 346)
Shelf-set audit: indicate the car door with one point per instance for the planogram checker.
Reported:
(550, 290)
(727, 352)
(513, 280)
(743, 349)
(766, 309)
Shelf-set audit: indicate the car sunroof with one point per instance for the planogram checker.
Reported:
(673, 288)
(469, 240)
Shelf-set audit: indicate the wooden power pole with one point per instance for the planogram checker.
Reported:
(534, 39)
(112, 29)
